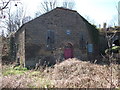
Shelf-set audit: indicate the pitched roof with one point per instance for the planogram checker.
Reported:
(62, 8)
(57, 8)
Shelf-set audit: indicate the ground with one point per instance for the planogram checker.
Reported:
(71, 73)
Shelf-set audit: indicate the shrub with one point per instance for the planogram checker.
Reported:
(114, 49)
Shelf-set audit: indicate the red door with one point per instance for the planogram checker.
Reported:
(68, 51)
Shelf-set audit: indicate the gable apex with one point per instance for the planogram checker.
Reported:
(62, 8)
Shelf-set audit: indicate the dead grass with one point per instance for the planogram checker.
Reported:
(71, 73)
(23, 79)
(74, 73)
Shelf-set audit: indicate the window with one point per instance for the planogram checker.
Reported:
(68, 32)
(82, 41)
(50, 39)
(90, 48)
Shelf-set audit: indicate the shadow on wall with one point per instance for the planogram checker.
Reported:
(47, 61)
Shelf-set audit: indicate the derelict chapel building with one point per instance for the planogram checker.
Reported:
(60, 33)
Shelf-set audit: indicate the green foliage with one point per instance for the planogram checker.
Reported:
(33, 79)
(20, 68)
(114, 49)
(16, 70)
(117, 88)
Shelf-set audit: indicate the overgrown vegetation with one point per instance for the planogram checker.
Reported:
(114, 49)
(20, 77)
(9, 70)
(71, 73)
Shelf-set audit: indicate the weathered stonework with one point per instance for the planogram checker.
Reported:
(67, 25)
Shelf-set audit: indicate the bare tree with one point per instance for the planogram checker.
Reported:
(48, 5)
(68, 4)
(4, 4)
(8, 23)
(89, 19)
(26, 19)
(13, 20)
(19, 16)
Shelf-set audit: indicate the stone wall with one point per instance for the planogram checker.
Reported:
(59, 21)
(67, 25)
(20, 46)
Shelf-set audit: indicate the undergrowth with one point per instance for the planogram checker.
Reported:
(14, 71)
(20, 77)
(71, 73)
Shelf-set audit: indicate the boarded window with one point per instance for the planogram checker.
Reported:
(50, 39)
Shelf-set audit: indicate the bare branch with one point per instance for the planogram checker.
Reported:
(4, 6)
(54, 4)
(43, 6)
(113, 35)
(47, 8)
(51, 4)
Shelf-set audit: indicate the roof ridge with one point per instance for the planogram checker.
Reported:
(65, 9)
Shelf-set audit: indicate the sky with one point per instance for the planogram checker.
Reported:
(97, 11)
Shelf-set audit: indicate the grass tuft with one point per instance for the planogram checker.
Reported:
(17, 70)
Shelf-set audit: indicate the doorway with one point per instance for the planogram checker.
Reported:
(68, 50)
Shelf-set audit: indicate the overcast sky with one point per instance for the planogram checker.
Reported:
(98, 11)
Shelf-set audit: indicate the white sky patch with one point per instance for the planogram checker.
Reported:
(31, 6)
(98, 10)
(34, 5)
